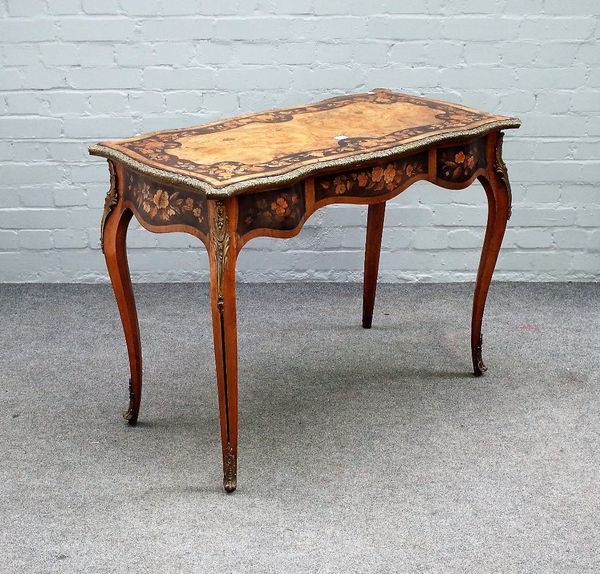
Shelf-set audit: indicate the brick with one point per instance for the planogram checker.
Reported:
(22, 54)
(172, 120)
(253, 77)
(571, 28)
(10, 79)
(93, 54)
(464, 239)
(26, 7)
(104, 78)
(107, 102)
(323, 78)
(574, 194)
(31, 103)
(589, 262)
(402, 28)
(88, 172)
(70, 239)
(9, 197)
(37, 196)
(369, 52)
(104, 7)
(8, 240)
(295, 53)
(147, 102)
(543, 194)
(463, 216)
(33, 218)
(539, 78)
(428, 238)
(588, 216)
(38, 266)
(107, 127)
(59, 54)
(535, 261)
(65, 151)
(571, 238)
(181, 28)
(141, 7)
(30, 127)
(69, 197)
(413, 216)
(64, 7)
(252, 28)
(96, 29)
(38, 30)
(184, 101)
(594, 241)
(265, 52)
(173, 53)
(177, 79)
(543, 217)
(533, 238)
(587, 150)
(35, 239)
(61, 102)
(42, 78)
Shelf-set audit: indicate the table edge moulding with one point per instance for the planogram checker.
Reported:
(264, 174)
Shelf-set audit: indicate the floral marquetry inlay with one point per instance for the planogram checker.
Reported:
(279, 147)
(459, 163)
(278, 209)
(161, 204)
(379, 180)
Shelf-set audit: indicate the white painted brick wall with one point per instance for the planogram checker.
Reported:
(76, 71)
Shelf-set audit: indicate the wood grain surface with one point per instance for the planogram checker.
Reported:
(274, 147)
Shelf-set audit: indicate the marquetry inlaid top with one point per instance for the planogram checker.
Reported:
(280, 146)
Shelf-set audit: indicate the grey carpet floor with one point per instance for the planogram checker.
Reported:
(360, 451)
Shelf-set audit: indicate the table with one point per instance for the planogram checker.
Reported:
(264, 174)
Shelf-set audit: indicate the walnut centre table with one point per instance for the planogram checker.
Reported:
(264, 174)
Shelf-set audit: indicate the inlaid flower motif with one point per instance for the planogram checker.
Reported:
(339, 185)
(377, 174)
(279, 210)
(459, 165)
(389, 174)
(279, 207)
(378, 180)
(162, 204)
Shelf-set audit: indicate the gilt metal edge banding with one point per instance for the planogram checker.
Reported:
(112, 198)
(502, 171)
(220, 239)
(297, 174)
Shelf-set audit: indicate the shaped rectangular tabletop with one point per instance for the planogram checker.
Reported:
(281, 146)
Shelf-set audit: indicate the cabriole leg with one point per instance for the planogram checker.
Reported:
(222, 255)
(375, 219)
(115, 223)
(497, 189)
